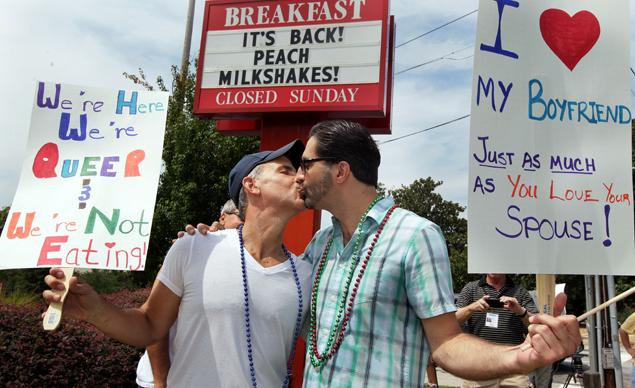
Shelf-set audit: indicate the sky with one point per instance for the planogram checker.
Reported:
(94, 42)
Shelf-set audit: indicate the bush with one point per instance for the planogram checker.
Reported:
(30, 280)
(106, 282)
(74, 355)
(18, 298)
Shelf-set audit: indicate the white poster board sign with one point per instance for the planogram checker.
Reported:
(88, 185)
(550, 139)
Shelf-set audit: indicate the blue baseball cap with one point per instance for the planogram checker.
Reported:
(293, 151)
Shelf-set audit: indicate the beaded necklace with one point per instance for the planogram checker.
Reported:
(298, 322)
(338, 328)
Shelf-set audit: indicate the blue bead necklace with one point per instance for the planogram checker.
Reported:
(298, 322)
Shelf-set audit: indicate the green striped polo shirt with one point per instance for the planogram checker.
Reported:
(408, 278)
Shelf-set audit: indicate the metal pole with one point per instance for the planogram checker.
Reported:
(614, 334)
(607, 352)
(187, 42)
(592, 376)
(590, 325)
(598, 329)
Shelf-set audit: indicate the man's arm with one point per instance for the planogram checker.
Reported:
(159, 355)
(627, 342)
(138, 327)
(471, 358)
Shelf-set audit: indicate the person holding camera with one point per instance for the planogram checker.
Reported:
(496, 309)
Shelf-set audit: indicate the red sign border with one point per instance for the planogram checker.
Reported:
(378, 109)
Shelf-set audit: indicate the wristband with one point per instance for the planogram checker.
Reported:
(523, 315)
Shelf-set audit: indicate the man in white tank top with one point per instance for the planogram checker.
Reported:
(154, 365)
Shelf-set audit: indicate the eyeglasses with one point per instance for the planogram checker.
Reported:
(306, 163)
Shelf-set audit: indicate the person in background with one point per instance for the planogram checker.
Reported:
(229, 217)
(497, 310)
(627, 335)
(154, 365)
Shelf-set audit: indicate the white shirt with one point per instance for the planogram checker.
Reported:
(210, 348)
(145, 377)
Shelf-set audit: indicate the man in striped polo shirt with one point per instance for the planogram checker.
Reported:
(382, 298)
(496, 309)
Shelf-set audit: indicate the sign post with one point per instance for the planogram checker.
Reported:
(545, 286)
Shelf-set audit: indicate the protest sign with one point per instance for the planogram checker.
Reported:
(550, 139)
(88, 185)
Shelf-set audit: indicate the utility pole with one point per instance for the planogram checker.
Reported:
(187, 41)
(592, 376)
(608, 361)
(615, 341)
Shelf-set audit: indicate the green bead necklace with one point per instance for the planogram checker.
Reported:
(337, 329)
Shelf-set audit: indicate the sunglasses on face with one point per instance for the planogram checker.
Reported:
(306, 163)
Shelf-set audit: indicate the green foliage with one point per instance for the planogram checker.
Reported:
(30, 281)
(627, 306)
(4, 212)
(381, 189)
(19, 286)
(197, 160)
(420, 197)
(19, 298)
(105, 281)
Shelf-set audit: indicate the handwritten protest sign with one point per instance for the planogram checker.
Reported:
(550, 139)
(88, 184)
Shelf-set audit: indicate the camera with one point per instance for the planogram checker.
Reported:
(494, 303)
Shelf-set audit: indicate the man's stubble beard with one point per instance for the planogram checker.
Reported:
(313, 195)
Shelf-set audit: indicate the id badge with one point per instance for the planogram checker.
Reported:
(491, 320)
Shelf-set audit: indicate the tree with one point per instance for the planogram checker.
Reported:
(197, 160)
(420, 197)
(4, 212)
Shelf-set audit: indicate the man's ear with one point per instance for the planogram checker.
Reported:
(343, 171)
(251, 186)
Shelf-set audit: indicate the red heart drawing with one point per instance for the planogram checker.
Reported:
(569, 37)
(110, 245)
